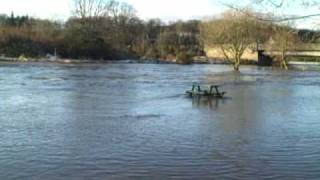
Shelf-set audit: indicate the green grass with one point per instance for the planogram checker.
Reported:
(304, 59)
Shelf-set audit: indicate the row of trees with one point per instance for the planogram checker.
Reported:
(241, 28)
(107, 29)
(99, 29)
(237, 31)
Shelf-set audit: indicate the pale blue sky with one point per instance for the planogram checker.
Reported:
(164, 9)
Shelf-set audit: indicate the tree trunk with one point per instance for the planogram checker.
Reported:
(236, 65)
(283, 61)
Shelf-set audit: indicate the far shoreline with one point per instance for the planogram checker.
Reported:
(124, 61)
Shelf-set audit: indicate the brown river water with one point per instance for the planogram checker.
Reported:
(133, 121)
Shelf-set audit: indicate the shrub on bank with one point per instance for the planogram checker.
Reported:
(14, 46)
(184, 58)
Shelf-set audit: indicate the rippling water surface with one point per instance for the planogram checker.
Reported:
(127, 121)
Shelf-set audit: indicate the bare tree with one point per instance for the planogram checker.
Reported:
(233, 34)
(282, 3)
(116, 9)
(91, 8)
(99, 8)
(284, 39)
(279, 6)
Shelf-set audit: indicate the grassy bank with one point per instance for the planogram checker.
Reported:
(304, 59)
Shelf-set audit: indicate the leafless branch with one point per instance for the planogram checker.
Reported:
(275, 20)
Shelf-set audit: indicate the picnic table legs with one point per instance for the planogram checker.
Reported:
(214, 87)
(217, 91)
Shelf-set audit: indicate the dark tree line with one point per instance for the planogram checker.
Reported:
(111, 30)
(101, 30)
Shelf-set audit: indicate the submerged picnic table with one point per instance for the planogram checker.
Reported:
(213, 91)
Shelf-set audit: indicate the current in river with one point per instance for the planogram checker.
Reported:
(133, 121)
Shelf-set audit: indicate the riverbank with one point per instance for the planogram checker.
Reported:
(47, 60)
(301, 65)
(200, 60)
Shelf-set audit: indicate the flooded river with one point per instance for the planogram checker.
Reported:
(131, 121)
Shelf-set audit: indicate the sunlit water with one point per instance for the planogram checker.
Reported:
(130, 121)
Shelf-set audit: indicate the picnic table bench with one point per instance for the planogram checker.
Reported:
(213, 91)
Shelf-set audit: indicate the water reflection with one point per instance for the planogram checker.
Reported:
(208, 102)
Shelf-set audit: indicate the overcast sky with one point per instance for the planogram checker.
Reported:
(164, 9)
(176, 9)
(58, 9)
